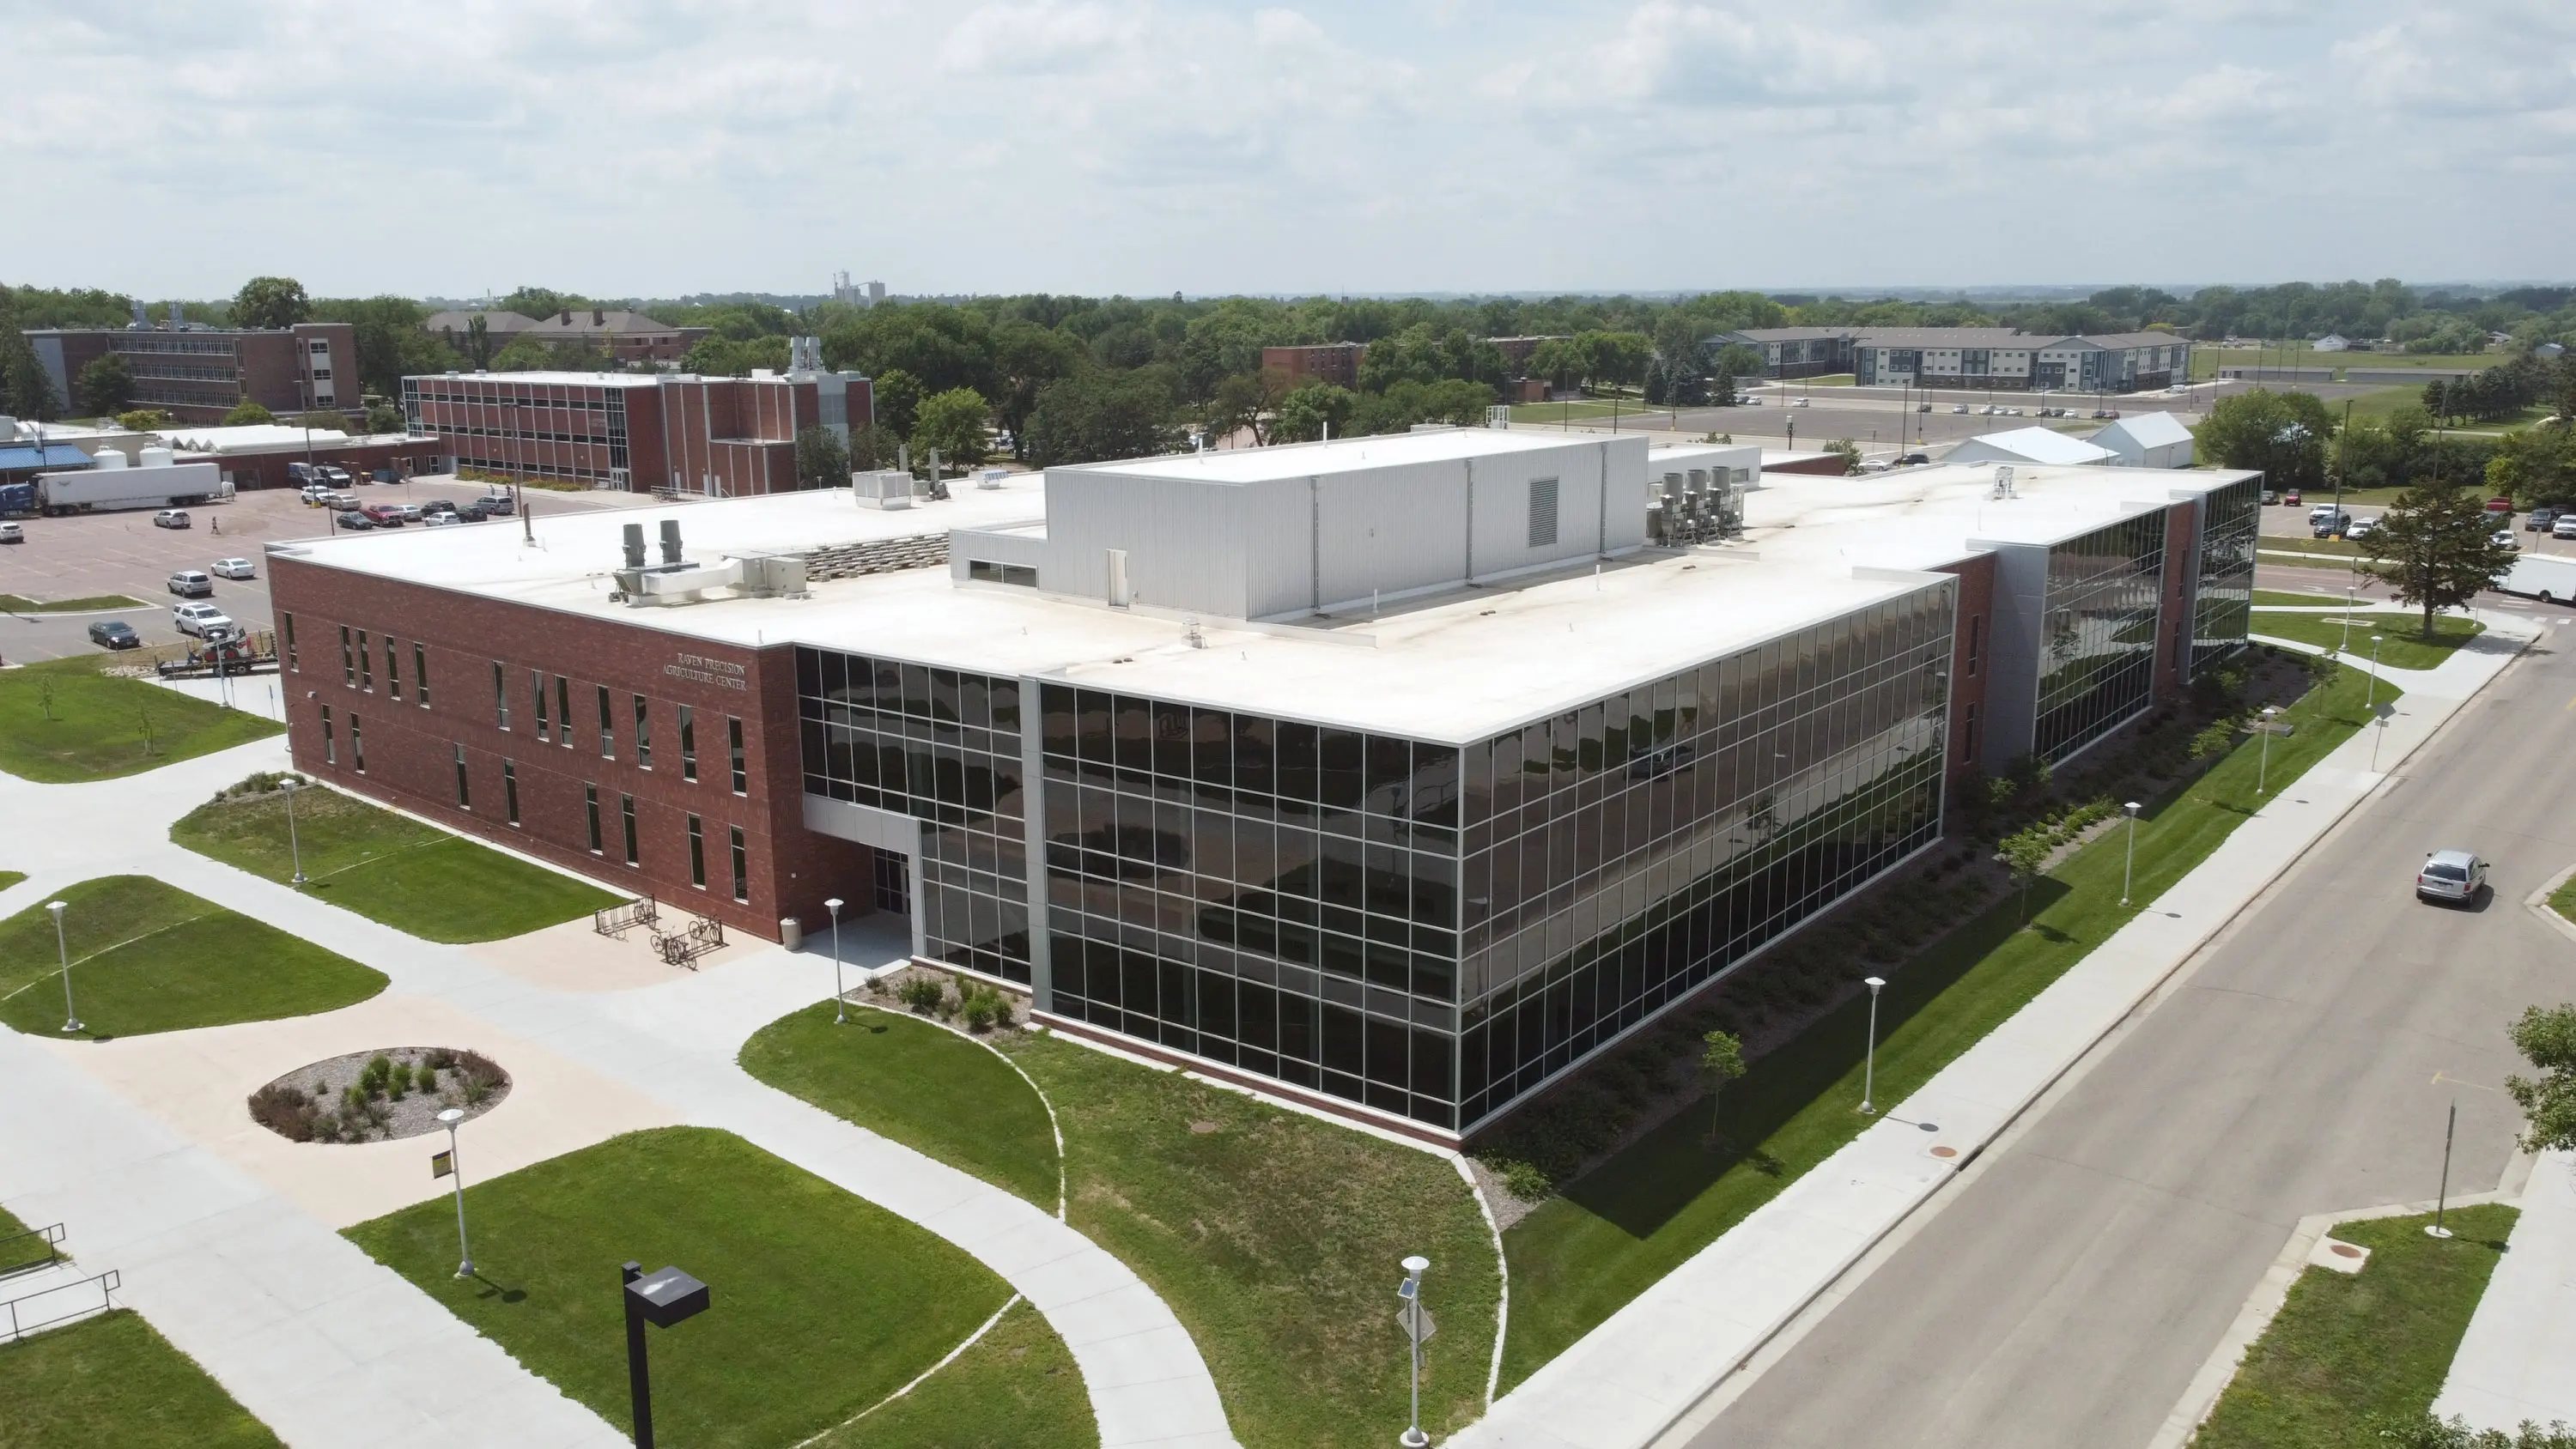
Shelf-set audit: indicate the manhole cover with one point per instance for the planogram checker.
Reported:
(2344, 1250)
(1929, 1126)
(1945, 1151)
(1202, 1127)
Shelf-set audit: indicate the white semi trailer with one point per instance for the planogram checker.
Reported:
(158, 482)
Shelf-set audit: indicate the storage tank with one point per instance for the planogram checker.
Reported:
(157, 457)
(110, 458)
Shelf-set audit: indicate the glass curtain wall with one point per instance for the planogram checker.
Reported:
(1621, 855)
(943, 747)
(1271, 894)
(2223, 613)
(2098, 661)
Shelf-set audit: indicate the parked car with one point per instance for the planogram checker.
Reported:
(315, 495)
(170, 518)
(190, 584)
(1913, 460)
(2564, 526)
(437, 505)
(498, 503)
(2540, 520)
(354, 522)
(2450, 875)
(343, 503)
(2500, 505)
(2331, 526)
(2291, 498)
(1801, 402)
(383, 515)
(235, 568)
(114, 634)
(2271, 496)
(198, 618)
(1958, 407)
(337, 476)
(12, 533)
(2504, 539)
(410, 512)
(443, 520)
(1923, 407)
(2359, 529)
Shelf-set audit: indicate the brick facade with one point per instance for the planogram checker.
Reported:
(1972, 649)
(410, 747)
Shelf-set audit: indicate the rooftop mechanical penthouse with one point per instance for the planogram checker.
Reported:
(1398, 774)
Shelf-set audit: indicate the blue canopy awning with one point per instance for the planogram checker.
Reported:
(52, 455)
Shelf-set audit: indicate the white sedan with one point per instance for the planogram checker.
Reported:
(234, 568)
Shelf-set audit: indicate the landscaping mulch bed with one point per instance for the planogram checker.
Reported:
(379, 1096)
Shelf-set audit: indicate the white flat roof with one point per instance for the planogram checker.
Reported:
(1453, 667)
(559, 379)
(1342, 455)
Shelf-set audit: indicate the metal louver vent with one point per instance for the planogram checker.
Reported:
(1542, 513)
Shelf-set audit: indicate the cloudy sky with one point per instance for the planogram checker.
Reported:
(655, 147)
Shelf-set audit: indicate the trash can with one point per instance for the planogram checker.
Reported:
(791, 933)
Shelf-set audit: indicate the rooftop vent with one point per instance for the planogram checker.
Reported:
(635, 545)
(670, 543)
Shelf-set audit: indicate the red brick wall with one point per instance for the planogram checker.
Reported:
(2182, 566)
(410, 749)
(268, 470)
(1972, 652)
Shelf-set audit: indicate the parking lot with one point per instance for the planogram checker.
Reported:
(94, 554)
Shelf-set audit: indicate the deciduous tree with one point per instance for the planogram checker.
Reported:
(821, 460)
(245, 413)
(2437, 548)
(2547, 1039)
(1095, 415)
(1312, 411)
(953, 422)
(106, 385)
(1721, 1060)
(2281, 433)
(270, 302)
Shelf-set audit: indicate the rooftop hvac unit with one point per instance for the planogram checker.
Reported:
(772, 576)
(991, 477)
(887, 488)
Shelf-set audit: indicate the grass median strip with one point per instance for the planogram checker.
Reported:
(822, 1303)
(2403, 644)
(62, 722)
(148, 957)
(1580, 1257)
(113, 1380)
(384, 866)
(100, 603)
(1016, 1387)
(927, 1088)
(2350, 1353)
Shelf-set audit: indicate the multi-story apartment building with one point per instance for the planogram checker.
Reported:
(1335, 362)
(1969, 357)
(199, 374)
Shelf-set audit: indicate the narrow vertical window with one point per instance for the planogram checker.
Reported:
(688, 743)
(348, 661)
(563, 708)
(643, 737)
(733, 747)
(697, 854)
(464, 789)
(500, 695)
(590, 799)
(393, 670)
(741, 866)
(357, 744)
(330, 745)
(1976, 642)
(607, 727)
(509, 790)
(366, 664)
(626, 817)
(537, 687)
(420, 672)
(286, 632)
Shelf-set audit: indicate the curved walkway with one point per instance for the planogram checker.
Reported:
(676, 1042)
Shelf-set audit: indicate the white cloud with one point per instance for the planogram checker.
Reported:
(660, 146)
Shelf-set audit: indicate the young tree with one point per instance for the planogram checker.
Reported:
(2282, 433)
(2025, 852)
(2437, 549)
(384, 418)
(1306, 414)
(246, 412)
(2546, 1039)
(821, 461)
(143, 420)
(953, 422)
(478, 341)
(898, 396)
(270, 302)
(106, 385)
(1723, 1061)
(1849, 451)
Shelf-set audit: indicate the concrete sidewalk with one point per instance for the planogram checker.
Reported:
(1639, 1372)
(673, 1043)
(2518, 1359)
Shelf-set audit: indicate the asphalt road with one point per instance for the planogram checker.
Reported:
(2068, 1291)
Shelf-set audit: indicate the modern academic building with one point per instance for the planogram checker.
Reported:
(1395, 774)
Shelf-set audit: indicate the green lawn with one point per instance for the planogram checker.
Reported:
(21, 604)
(388, 868)
(2348, 1347)
(2301, 559)
(2402, 646)
(1581, 410)
(1016, 1388)
(918, 1084)
(2282, 599)
(112, 1380)
(62, 721)
(9, 878)
(147, 957)
(1581, 1256)
(2563, 899)
(822, 1303)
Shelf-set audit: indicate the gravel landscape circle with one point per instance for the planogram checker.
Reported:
(383, 1094)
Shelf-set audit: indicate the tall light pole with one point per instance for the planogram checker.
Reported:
(2263, 765)
(2129, 867)
(840, 1004)
(2370, 695)
(1411, 1292)
(456, 1169)
(292, 843)
(1869, 1058)
(2379, 722)
(55, 909)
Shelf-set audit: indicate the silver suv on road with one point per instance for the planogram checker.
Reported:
(2453, 876)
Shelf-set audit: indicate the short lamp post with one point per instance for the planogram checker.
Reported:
(2379, 723)
(840, 1004)
(293, 844)
(2129, 866)
(2263, 763)
(1410, 1290)
(667, 1297)
(456, 1169)
(1869, 1056)
(62, 946)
